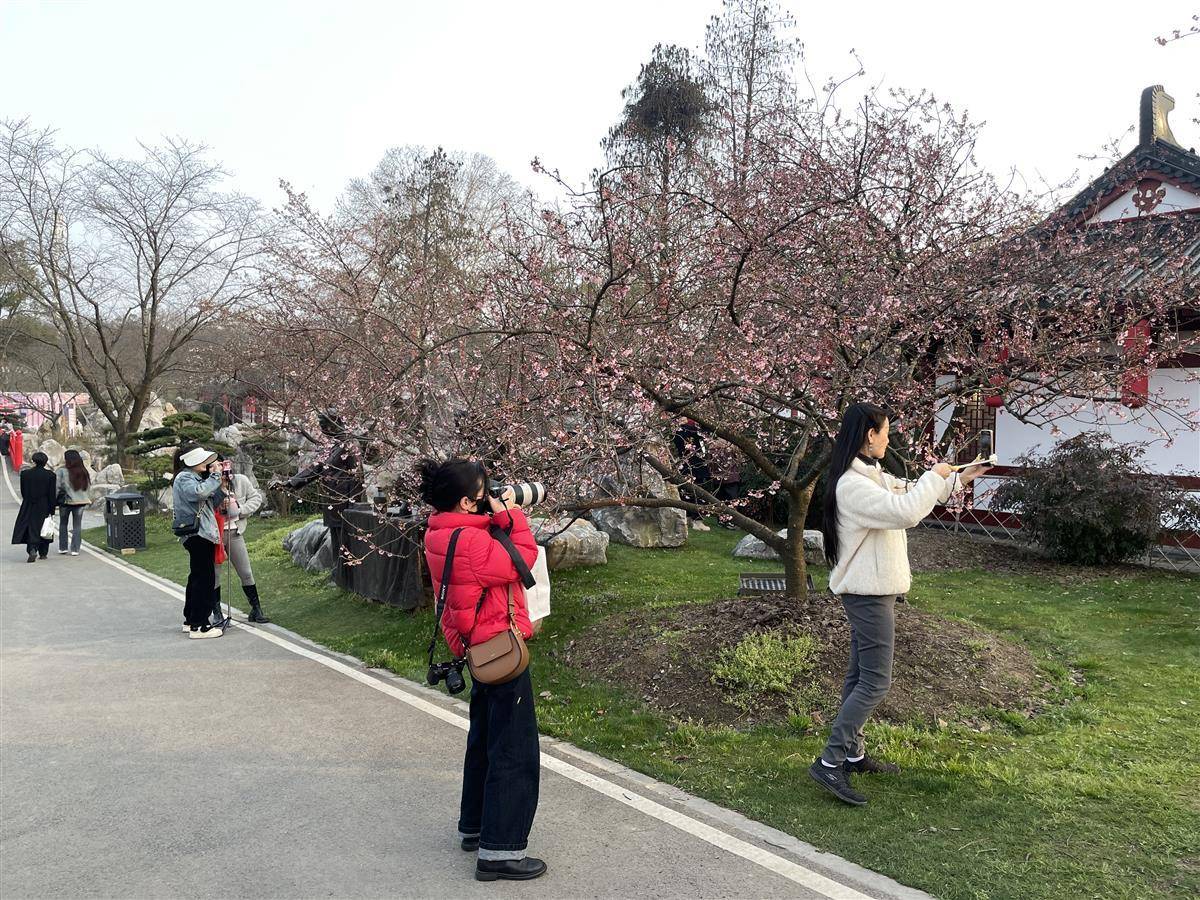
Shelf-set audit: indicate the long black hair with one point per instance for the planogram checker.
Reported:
(858, 419)
(445, 482)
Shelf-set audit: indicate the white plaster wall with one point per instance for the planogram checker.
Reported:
(1123, 208)
(1163, 456)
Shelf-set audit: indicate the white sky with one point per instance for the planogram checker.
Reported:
(316, 92)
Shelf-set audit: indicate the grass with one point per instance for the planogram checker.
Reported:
(1096, 798)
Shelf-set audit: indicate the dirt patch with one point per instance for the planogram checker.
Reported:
(942, 551)
(941, 666)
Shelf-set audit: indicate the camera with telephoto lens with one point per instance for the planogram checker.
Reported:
(525, 493)
(450, 672)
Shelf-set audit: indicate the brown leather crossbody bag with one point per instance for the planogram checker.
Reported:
(502, 658)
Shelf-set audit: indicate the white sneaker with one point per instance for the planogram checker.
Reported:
(74, 552)
(205, 633)
(62, 552)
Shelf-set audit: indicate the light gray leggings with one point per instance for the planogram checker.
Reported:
(235, 547)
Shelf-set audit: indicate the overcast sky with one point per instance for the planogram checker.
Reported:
(315, 92)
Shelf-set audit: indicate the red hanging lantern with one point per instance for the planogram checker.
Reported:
(1135, 383)
(996, 400)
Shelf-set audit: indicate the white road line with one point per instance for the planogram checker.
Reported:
(805, 877)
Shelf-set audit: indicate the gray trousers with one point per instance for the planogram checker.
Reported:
(74, 514)
(869, 675)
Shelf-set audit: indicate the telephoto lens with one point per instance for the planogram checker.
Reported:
(525, 493)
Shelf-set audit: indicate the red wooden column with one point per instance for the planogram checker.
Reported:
(1135, 383)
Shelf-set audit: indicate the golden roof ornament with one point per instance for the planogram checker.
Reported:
(1153, 125)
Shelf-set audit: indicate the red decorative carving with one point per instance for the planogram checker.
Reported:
(1148, 194)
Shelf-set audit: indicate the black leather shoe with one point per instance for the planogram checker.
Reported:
(470, 844)
(256, 616)
(510, 869)
(837, 782)
(32, 557)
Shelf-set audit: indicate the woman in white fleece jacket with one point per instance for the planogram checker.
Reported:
(866, 514)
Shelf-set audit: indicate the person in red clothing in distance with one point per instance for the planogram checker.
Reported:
(502, 769)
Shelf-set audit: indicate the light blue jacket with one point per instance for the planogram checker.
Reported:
(194, 494)
(74, 497)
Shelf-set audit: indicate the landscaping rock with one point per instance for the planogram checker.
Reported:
(231, 435)
(54, 450)
(582, 544)
(98, 492)
(637, 526)
(110, 475)
(751, 547)
(310, 547)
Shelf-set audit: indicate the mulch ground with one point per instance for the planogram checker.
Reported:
(930, 550)
(944, 670)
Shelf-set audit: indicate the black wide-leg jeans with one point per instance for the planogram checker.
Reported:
(202, 581)
(502, 769)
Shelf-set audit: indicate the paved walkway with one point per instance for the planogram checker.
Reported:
(137, 763)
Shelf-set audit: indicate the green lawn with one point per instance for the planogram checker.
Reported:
(1098, 798)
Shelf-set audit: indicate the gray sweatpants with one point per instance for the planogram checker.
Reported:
(869, 675)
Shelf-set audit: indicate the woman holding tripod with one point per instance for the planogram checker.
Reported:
(484, 598)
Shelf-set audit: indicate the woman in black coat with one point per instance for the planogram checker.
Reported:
(39, 496)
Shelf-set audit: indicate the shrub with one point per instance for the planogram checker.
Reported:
(1090, 502)
(769, 663)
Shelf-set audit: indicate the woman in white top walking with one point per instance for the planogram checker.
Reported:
(865, 516)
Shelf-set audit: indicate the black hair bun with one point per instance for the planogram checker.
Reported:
(430, 471)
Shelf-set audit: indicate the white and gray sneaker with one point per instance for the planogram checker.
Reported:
(205, 631)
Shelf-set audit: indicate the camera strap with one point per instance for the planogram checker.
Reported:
(501, 535)
(443, 589)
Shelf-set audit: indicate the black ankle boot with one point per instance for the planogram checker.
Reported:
(256, 613)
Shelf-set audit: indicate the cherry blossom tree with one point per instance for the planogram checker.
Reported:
(783, 258)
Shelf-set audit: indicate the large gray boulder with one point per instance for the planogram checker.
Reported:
(640, 526)
(751, 547)
(98, 492)
(156, 413)
(580, 544)
(231, 435)
(54, 450)
(110, 475)
(310, 547)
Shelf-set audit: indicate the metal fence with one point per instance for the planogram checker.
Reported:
(1177, 551)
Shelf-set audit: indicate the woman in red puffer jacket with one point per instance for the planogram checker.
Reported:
(502, 769)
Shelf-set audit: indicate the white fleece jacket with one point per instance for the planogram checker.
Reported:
(874, 509)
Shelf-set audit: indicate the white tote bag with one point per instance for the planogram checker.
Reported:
(537, 598)
(49, 528)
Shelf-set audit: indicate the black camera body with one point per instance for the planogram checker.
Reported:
(450, 672)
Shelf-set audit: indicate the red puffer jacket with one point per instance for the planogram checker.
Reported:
(481, 565)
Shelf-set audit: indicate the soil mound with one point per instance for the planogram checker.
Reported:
(941, 668)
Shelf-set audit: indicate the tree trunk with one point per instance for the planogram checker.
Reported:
(794, 564)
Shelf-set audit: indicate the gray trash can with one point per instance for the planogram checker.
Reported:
(125, 520)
